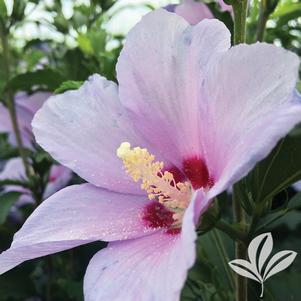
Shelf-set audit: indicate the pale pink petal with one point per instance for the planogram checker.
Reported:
(201, 204)
(297, 186)
(74, 216)
(224, 6)
(145, 269)
(25, 199)
(159, 72)
(193, 12)
(24, 118)
(14, 170)
(248, 105)
(83, 129)
(59, 176)
(32, 102)
(5, 123)
(170, 7)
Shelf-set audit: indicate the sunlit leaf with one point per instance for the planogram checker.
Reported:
(286, 8)
(68, 85)
(3, 10)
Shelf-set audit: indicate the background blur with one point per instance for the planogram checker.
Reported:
(54, 42)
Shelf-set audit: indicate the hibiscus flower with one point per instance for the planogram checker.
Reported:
(59, 176)
(190, 117)
(192, 11)
(26, 107)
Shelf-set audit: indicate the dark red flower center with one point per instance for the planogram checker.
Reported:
(197, 172)
(157, 215)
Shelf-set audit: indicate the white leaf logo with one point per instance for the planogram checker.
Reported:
(258, 267)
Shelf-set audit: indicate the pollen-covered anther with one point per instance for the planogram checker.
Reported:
(159, 185)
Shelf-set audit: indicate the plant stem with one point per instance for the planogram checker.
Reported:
(225, 227)
(261, 27)
(241, 291)
(240, 17)
(262, 21)
(241, 284)
(254, 221)
(230, 230)
(223, 254)
(49, 269)
(240, 8)
(10, 102)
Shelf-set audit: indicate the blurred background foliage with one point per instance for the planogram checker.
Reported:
(54, 46)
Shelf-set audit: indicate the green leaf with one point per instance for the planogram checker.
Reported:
(207, 279)
(84, 44)
(18, 10)
(72, 288)
(295, 202)
(14, 183)
(291, 219)
(98, 40)
(93, 42)
(286, 8)
(279, 170)
(6, 201)
(17, 285)
(299, 86)
(41, 155)
(75, 65)
(7, 151)
(209, 218)
(286, 284)
(68, 85)
(61, 23)
(46, 79)
(287, 214)
(2, 73)
(3, 9)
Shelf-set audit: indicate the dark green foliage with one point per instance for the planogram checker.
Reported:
(6, 201)
(46, 79)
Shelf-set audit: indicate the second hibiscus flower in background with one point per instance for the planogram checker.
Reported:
(59, 176)
(194, 12)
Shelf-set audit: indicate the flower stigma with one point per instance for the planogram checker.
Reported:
(160, 185)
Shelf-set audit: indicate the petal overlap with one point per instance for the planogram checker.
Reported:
(137, 266)
(74, 216)
(83, 129)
